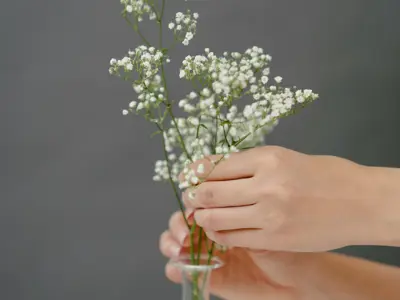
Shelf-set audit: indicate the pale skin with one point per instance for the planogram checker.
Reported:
(271, 198)
(263, 275)
(269, 204)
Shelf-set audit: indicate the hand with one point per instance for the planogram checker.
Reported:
(263, 275)
(276, 199)
(246, 274)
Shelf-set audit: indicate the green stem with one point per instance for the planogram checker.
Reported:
(200, 246)
(137, 30)
(195, 276)
(168, 104)
(192, 252)
(162, 10)
(170, 178)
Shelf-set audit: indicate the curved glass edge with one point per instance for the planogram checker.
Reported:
(183, 262)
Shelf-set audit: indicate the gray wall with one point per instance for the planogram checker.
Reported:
(79, 214)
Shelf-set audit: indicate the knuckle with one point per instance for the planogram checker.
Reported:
(283, 191)
(270, 157)
(280, 192)
(275, 220)
(275, 157)
(264, 191)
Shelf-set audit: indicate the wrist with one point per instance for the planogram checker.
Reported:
(383, 201)
(337, 276)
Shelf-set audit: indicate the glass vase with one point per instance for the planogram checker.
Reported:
(196, 275)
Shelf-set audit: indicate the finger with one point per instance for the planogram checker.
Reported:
(180, 231)
(244, 238)
(221, 194)
(178, 227)
(237, 165)
(173, 273)
(169, 247)
(230, 218)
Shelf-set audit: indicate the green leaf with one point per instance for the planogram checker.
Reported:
(155, 133)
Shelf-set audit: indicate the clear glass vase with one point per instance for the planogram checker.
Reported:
(196, 275)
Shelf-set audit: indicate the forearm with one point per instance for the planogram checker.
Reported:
(338, 277)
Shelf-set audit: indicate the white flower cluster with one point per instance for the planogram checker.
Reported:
(146, 61)
(139, 8)
(233, 76)
(215, 124)
(184, 26)
(201, 137)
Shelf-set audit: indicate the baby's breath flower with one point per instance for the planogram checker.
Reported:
(146, 61)
(186, 26)
(138, 8)
(214, 122)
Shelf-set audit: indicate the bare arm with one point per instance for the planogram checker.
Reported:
(338, 277)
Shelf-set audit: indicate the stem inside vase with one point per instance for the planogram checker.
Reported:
(196, 276)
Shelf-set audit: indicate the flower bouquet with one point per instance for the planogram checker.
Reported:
(212, 120)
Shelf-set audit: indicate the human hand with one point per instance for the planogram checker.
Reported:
(276, 199)
(263, 275)
(246, 274)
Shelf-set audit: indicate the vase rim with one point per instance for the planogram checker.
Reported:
(184, 262)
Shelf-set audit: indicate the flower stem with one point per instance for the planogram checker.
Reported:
(168, 103)
(135, 27)
(182, 209)
(200, 245)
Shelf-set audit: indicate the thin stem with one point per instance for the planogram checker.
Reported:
(137, 30)
(162, 10)
(210, 252)
(192, 231)
(168, 104)
(170, 179)
(216, 134)
(200, 245)
(179, 134)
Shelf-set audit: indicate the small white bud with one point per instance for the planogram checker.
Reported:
(192, 95)
(194, 180)
(140, 106)
(129, 67)
(264, 79)
(129, 8)
(200, 168)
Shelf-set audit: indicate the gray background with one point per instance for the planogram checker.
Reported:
(79, 214)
